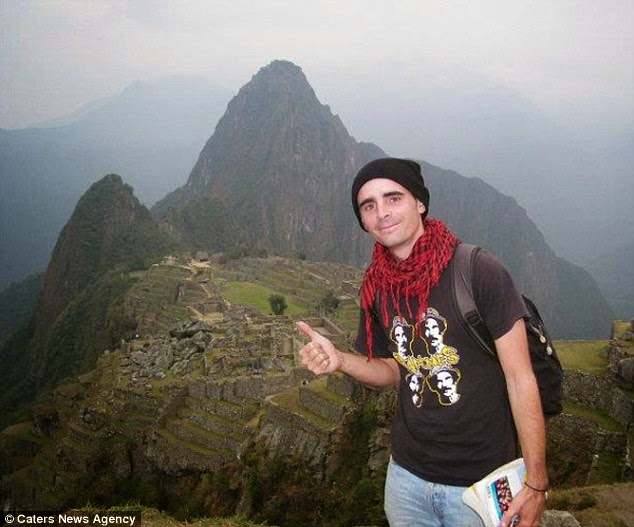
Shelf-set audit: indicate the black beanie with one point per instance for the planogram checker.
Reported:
(404, 171)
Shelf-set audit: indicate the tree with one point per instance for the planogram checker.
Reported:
(278, 304)
(328, 304)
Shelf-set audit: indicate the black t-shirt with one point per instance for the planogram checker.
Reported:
(453, 423)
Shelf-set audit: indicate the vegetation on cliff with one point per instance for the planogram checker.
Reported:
(79, 312)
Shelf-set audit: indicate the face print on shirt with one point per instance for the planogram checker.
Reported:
(416, 384)
(444, 382)
(403, 334)
(429, 361)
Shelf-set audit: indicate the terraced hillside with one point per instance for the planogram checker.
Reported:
(179, 288)
(209, 370)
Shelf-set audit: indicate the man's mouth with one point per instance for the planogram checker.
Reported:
(388, 228)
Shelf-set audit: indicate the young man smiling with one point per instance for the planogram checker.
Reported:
(440, 445)
(392, 215)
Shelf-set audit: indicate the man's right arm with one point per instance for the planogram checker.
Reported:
(320, 356)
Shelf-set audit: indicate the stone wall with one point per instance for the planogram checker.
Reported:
(604, 393)
(599, 392)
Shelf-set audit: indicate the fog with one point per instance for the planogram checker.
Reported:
(572, 57)
(534, 97)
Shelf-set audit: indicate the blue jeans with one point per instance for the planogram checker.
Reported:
(414, 502)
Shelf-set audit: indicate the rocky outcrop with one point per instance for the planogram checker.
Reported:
(558, 519)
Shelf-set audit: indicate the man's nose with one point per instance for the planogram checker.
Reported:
(383, 211)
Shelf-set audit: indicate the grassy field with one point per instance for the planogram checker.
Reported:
(257, 296)
(591, 355)
(583, 355)
(598, 506)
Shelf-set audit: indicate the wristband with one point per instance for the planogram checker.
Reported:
(544, 491)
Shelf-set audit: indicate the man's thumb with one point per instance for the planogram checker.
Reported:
(307, 330)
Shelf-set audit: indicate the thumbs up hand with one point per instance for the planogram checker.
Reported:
(319, 355)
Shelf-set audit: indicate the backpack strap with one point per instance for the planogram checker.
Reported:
(462, 289)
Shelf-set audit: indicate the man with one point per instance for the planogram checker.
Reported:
(440, 445)
(435, 327)
(444, 381)
(401, 335)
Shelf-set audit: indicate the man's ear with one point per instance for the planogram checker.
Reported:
(421, 208)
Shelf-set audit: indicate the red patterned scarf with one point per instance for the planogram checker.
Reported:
(411, 278)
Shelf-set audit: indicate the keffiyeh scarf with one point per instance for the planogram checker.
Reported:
(413, 278)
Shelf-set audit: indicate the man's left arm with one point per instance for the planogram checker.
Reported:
(525, 402)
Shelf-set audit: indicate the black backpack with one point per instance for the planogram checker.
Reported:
(546, 365)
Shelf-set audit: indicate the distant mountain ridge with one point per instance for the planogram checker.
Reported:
(615, 275)
(150, 134)
(558, 166)
(277, 174)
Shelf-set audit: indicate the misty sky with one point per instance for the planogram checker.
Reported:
(563, 56)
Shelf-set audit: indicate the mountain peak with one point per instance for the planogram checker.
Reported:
(281, 66)
(276, 158)
(107, 223)
(282, 73)
(281, 86)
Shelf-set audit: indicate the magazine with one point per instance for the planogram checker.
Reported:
(490, 497)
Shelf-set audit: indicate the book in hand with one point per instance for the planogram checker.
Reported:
(491, 496)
